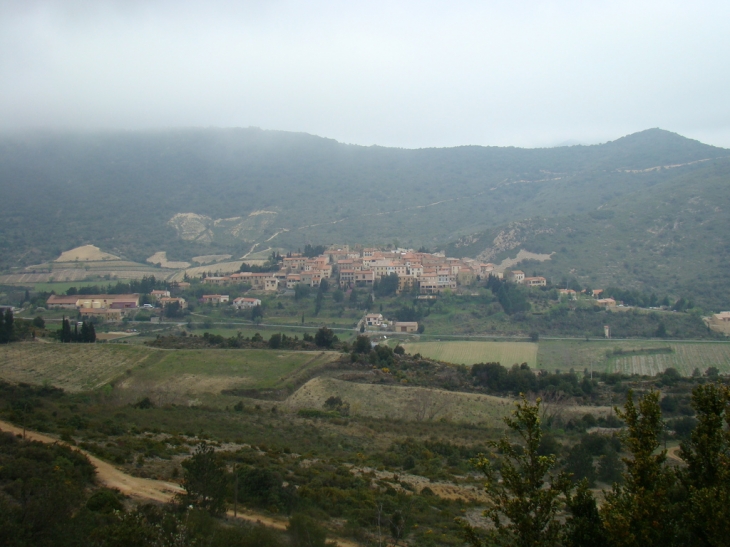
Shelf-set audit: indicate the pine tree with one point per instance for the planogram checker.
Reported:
(706, 478)
(639, 512)
(584, 528)
(525, 503)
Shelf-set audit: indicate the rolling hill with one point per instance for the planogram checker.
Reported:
(646, 210)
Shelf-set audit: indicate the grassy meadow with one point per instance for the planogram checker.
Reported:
(197, 376)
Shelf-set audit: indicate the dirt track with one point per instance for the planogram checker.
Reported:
(148, 489)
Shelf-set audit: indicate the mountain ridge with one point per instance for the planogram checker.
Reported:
(121, 190)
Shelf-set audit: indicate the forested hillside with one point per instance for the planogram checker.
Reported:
(625, 210)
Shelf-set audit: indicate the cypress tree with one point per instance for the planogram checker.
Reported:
(2, 329)
(8, 326)
(92, 332)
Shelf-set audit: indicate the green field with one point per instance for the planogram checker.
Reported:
(193, 376)
(651, 356)
(469, 353)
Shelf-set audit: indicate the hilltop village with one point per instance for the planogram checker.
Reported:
(422, 272)
(415, 291)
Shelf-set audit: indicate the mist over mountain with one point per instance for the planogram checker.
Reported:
(648, 210)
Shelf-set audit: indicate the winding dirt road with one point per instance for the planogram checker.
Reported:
(148, 489)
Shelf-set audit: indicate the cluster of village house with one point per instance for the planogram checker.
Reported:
(430, 273)
(108, 306)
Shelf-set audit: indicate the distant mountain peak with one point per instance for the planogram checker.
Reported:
(660, 137)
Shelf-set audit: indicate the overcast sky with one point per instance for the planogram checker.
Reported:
(409, 74)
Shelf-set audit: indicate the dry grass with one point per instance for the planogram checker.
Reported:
(401, 402)
(85, 253)
(73, 367)
(468, 353)
(417, 404)
(160, 257)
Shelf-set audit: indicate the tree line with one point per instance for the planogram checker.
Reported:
(67, 335)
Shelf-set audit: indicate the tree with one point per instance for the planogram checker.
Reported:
(638, 513)
(338, 296)
(584, 528)
(526, 502)
(707, 475)
(610, 467)
(6, 333)
(275, 341)
(39, 322)
(301, 291)
(579, 464)
(173, 309)
(257, 314)
(205, 480)
(324, 338)
(387, 285)
(398, 526)
(306, 532)
(362, 344)
(318, 302)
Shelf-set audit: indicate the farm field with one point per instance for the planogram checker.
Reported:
(184, 376)
(73, 367)
(469, 353)
(580, 354)
(684, 357)
(412, 403)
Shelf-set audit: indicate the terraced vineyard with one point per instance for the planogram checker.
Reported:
(469, 353)
(73, 367)
(684, 357)
(413, 403)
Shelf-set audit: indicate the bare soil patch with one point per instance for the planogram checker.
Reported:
(208, 259)
(85, 253)
(160, 257)
(521, 255)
